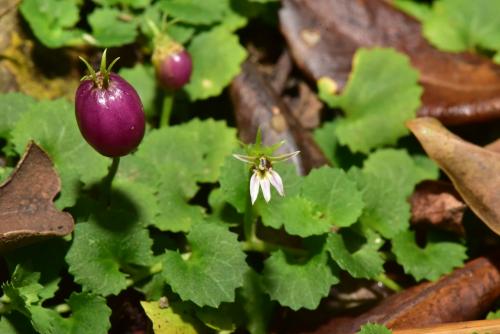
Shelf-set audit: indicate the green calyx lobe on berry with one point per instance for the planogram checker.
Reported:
(101, 78)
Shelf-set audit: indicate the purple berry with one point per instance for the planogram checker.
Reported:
(173, 64)
(109, 113)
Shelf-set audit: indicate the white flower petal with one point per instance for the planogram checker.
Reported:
(254, 187)
(276, 181)
(266, 187)
(244, 158)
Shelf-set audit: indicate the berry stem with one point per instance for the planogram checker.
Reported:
(166, 111)
(108, 180)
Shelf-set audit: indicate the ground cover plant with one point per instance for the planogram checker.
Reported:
(179, 166)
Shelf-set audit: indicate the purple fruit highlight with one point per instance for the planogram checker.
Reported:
(174, 71)
(110, 116)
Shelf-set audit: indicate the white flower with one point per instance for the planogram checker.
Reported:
(263, 175)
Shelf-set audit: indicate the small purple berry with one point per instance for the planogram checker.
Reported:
(109, 113)
(173, 65)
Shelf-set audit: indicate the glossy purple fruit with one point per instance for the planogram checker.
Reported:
(110, 115)
(173, 65)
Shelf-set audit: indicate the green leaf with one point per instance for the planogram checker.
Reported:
(298, 284)
(131, 3)
(217, 56)
(142, 78)
(90, 314)
(5, 172)
(225, 318)
(432, 261)
(359, 257)
(416, 9)
(46, 259)
(138, 197)
(176, 318)
(13, 105)
(180, 32)
(235, 182)
(327, 140)
(386, 209)
(111, 241)
(182, 156)
(397, 166)
(257, 305)
(110, 29)
(176, 214)
(15, 323)
(382, 93)
(193, 11)
(53, 21)
(22, 289)
(214, 269)
(52, 125)
(327, 197)
(388, 178)
(235, 15)
(461, 25)
(335, 194)
(374, 329)
(339, 155)
(493, 315)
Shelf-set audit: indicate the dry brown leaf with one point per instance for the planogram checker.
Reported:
(323, 36)
(463, 295)
(27, 213)
(466, 327)
(438, 204)
(474, 171)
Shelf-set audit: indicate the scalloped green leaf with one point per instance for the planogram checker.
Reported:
(131, 3)
(110, 29)
(13, 105)
(327, 198)
(256, 304)
(382, 93)
(398, 167)
(298, 284)
(387, 179)
(213, 270)
(386, 209)
(89, 314)
(462, 25)
(358, 257)
(53, 21)
(430, 262)
(110, 241)
(217, 56)
(182, 156)
(195, 11)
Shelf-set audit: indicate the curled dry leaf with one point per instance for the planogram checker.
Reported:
(257, 105)
(27, 213)
(465, 294)
(324, 34)
(466, 327)
(474, 171)
(438, 204)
